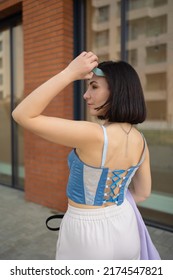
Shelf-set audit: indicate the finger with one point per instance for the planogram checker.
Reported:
(94, 64)
(89, 54)
(88, 76)
(93, 58)
(84, 53)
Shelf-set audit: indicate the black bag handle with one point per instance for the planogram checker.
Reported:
(57, 216)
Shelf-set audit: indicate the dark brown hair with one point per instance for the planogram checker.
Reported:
(126, 101)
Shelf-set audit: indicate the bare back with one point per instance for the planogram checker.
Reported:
(123, 151)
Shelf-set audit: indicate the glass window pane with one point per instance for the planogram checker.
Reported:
(103, 29)
(156, 54)
(18, 77)
(150, 50)
(5, 99)
(151, 37)
(102, 14)
(8, 137)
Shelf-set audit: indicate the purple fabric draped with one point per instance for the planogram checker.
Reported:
(148, 250)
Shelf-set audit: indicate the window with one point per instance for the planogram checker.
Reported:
(0, 62)
(156, 26)
(148, 47)
(102, 38)
(136, 28)
(102, 14)
(156, 54)
(132, 57)
(156, 110)
(1, 79)
(157, 3)
(155, 70)
(136, 4)
(11, 92)
(156, 81)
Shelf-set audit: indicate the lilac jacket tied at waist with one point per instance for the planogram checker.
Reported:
(148, 250)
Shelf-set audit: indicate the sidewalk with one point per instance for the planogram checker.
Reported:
(24, 236)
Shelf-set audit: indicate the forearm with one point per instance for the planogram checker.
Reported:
(34, 104)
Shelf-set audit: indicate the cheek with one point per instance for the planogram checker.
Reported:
(105, 96)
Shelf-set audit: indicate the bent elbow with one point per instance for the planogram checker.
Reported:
(15, 116)
(143, 198)
(18, 116)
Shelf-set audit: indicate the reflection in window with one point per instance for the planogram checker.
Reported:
(157, 3)
(132, 57)
(102, 14)
(147, 34)
(156, 110)
(103, 57)
(139, 4)
(136, 4)
(150, 51)
(156, 81)
(156, 26)
(102, 38)
(136, 28)
(9, 70)
(156, 54)
(5, 125)
(103, 28)
(1, 79)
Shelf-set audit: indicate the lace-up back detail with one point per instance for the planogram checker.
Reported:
(98, 186)
(116, 185)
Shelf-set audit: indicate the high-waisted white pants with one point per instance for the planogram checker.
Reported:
(97, 234)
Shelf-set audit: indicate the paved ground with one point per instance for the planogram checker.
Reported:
(24, 236)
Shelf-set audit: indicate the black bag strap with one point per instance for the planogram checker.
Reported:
(57, 216)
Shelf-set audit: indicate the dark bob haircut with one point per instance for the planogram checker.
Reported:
(126, 101)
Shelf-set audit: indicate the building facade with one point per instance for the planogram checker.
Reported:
(37, 39)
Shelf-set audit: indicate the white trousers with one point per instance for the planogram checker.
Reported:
(99, 234)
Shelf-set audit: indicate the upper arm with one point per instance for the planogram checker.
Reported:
(75, 134)
(142, 178)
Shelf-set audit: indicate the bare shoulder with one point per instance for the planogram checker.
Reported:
(116, 134)
(71, 133)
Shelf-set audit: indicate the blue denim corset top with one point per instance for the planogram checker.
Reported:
(95, 186)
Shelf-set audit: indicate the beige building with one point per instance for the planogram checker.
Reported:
(148, 38)
(5, 63)
(149, 48)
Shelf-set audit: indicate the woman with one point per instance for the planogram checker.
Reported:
(100, 223)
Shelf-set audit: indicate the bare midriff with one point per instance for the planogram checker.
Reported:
(85, 206)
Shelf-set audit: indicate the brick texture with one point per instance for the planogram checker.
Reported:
(48, 47)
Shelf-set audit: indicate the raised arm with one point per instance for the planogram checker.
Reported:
(29, 112)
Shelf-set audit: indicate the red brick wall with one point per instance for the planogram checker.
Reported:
(9, 7)
(48, 47)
